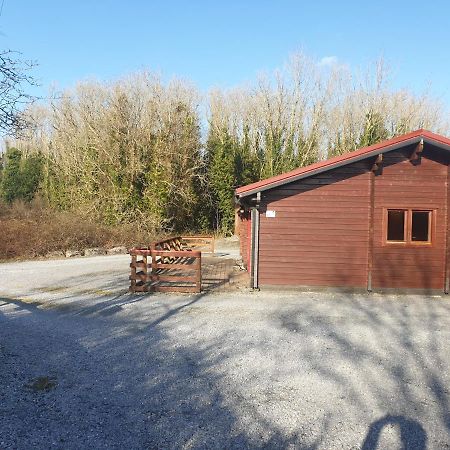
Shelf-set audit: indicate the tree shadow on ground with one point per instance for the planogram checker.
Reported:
(119, 384)
(386, 355)
(149, 371)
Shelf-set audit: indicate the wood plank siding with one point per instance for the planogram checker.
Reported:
(407, 186)
(319, 236)
(329, 229)
(244, 238)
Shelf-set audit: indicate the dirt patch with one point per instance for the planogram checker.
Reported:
(222, 274)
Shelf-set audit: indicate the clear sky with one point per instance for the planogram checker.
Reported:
(229, 42)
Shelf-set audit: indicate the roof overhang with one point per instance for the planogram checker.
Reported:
(334, 163)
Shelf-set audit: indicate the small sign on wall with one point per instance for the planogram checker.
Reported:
(271, 213)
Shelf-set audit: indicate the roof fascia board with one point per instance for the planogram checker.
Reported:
(436, 143)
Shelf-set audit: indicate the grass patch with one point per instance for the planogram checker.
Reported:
(42, 384)
(50, 289)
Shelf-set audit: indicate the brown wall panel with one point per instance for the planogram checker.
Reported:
(404, 185)
(244, 238)
(319, 236)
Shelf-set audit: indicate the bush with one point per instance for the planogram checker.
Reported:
(33, 230)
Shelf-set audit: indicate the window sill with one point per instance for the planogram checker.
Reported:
(407, 244)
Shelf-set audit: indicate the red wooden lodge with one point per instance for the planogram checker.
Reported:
(374, 218)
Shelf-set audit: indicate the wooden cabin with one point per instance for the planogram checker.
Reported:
(374, 218)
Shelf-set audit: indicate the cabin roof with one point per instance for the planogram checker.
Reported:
(348, 158)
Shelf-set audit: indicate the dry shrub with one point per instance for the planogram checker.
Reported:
(33, 230)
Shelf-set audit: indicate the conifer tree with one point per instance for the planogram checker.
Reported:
(21, 176)
(374, 129)
(11, 178)
(222, 179)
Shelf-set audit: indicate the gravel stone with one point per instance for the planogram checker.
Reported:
(84, 364)
(95, 251)
(72, 253)
(117, 251)
(55, 254)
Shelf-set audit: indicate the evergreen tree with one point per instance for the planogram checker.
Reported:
(21, 177)
(247, 165)
(374, 129)
(11, 186)
(222, 179)
(31, 174)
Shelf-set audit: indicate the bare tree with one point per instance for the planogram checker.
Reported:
(131, 150)
(304, 112)
(14, 81)
(124, 151)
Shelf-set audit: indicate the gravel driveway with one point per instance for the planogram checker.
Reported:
(84, 364)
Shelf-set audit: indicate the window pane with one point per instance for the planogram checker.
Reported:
(396, 225)
(420, 225)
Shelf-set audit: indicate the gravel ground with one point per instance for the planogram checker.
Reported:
(84, 364)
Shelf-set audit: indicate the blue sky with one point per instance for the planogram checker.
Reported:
(226, 43)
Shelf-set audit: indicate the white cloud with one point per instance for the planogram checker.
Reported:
(328, 61)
